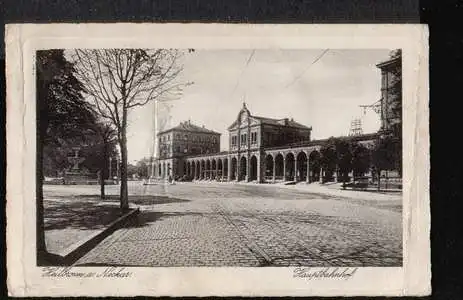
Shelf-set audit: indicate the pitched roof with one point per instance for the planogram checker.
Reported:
(188, 126)
(281, 122)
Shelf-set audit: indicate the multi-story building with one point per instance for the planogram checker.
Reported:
(185, 139)
(260, 149)
(391, 95)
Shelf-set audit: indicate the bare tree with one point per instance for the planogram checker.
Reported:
(105, 138)
(118, 80)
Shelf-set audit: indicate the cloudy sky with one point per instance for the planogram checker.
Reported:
(274, 83)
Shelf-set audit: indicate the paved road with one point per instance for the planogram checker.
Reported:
(251, 225)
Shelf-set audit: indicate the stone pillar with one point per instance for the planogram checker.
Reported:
(295, 169)
(223, 170)
(217, 170)
(321, 175)
(238, 169)
(307, 179)
(284, 168)
(274, 170)
(229, 162)
(248, 169)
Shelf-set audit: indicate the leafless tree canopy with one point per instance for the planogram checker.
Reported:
(119, 79)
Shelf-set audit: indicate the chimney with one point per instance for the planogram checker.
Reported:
(292, 120)
(286, 121)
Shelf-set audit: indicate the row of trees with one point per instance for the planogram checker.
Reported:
(342, 155)
(84, 98)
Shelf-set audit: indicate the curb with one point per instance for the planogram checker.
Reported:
(80, 248)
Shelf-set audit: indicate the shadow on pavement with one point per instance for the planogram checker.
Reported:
(79, 215)
(136, 199)
(91, 212)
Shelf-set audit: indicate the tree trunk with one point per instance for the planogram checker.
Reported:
(40, 226)
(379, 180)
(343, 180)
(103, 170)
(123, 143)
(102, 189)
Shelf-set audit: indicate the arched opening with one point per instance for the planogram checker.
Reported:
(159, 170)
(243, 168)
(301, 172)
(213, 169)
(253, 170)
(269, 167)
(219, 169)
(197, 169)
(279, 167)
(208, 169)
(225, 169)
(234, 170)
(168, 170)
(314, 166)
(192, 170)
(163, 170)
(202, 171)
(185, 168)
(289, 167)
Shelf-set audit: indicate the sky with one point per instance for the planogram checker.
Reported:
(324, 94)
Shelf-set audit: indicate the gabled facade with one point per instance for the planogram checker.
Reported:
(249, 132)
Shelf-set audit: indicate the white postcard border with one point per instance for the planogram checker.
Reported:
(25, 278)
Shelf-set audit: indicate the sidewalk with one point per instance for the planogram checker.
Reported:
(330, 189)
(69, 220)
(336, 190)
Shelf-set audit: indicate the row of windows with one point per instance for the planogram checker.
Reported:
(209, 139)
(178, 149)
(244, 138)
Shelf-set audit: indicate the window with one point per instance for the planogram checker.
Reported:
(168, 137)
(243, 139)
(253, 137)
(177, 149)
(233, 140)
(185, 137)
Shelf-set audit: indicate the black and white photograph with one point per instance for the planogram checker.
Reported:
(250, 158)
(232, 158)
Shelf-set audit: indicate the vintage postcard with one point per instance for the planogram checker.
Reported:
(217, 160)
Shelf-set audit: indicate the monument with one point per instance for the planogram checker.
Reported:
(76, 174)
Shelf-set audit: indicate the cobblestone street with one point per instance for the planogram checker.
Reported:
(223, 224)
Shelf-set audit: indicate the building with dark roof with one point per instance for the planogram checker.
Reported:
(185, 139)
(260, 149)
(391, 95)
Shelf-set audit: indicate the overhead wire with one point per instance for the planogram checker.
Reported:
(251, 55)
(306, 69)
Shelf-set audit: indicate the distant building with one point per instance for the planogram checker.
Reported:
(391, 96)
(260, 149)
(185, 139)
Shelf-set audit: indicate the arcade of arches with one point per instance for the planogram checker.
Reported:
(270, 166)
